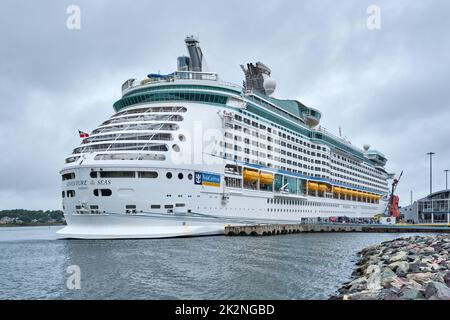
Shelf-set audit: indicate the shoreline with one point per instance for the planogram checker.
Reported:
(32, 225)
(412, 268)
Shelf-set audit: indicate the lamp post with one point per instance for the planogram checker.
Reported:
(446, 178)
(431, 171)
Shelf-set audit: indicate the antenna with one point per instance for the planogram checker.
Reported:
(340, 132)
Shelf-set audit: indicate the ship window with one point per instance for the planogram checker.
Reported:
(130, 208)
(102, 192)
(179, 205)
(117, 174)
(68, 176)
(155, 206)
(169, 175)
(72, 159)
(147, 174)
(176, 148)
(106, 192)
(94, 207)
(180, 176)
(168, 206)
(63, 194)
(190, 176)
(70, 193)
(181, 138)
(93, 174)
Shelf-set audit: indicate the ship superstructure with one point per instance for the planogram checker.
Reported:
(186, 154)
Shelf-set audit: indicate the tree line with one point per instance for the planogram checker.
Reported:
(30, 217)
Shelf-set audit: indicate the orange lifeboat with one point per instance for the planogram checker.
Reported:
(250, 175)
(266, 178)
(313, 186)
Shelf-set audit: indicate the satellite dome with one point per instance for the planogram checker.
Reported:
(269, 85)
(366, 147)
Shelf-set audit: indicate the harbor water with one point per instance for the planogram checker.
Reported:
(34, 265)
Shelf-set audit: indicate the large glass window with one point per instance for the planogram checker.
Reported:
(68, 176)
(117, 174)
(278, 182)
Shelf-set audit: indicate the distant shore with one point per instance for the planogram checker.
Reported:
(31, 218)
(34, 225)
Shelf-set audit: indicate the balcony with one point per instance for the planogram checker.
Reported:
(312, 117)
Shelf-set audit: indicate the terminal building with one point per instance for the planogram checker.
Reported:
(435, 209)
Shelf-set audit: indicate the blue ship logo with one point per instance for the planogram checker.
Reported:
(207, 179)
(198, 178)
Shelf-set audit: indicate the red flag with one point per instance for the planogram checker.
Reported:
(83, 134)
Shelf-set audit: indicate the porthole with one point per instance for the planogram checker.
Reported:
(176, 148)
(180, 176)
(181, 137)
(169, 175)
(190, 176)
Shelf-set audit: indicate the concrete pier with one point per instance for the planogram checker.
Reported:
(279, 229)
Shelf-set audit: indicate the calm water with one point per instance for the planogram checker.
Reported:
(302, 266)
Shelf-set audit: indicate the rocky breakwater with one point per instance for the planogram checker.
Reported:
(403, 269)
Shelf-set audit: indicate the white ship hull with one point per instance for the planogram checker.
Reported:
(185, 208)
(120, 226)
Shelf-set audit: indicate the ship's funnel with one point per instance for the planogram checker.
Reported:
(195, 54)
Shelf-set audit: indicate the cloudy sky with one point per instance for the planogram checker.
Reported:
(387, 87)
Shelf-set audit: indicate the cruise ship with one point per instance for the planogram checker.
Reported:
(186, 154)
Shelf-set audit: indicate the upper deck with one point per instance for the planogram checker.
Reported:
(205, 87)
(181, 77)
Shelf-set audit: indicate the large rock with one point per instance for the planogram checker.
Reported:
(411, 294)
(438, 277)
(447, 278)
(413, 284)
(420, 277)
(413, 257)
(437, 290)
(415, 266)
(357, 281)
(357, 285)
(428, 250)
(374, 281)
(363, 295)
(386, 277)
(399, 256)
(401, 268)
(389, 294)
(373, 268)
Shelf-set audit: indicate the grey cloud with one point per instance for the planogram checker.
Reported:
(387, 88)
